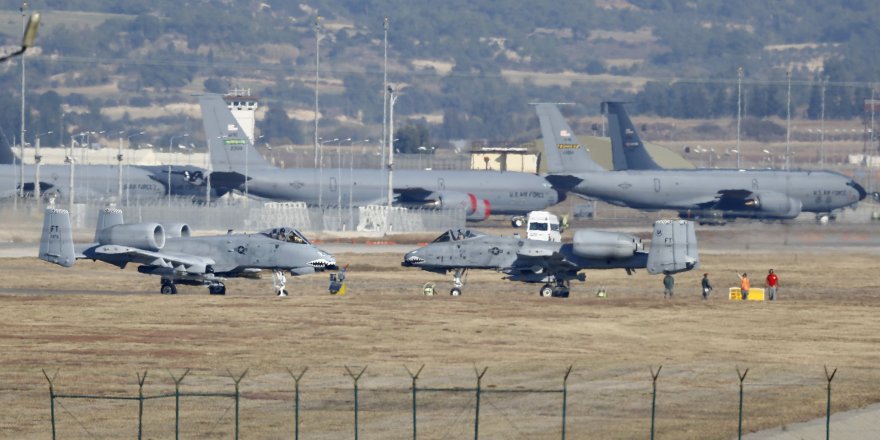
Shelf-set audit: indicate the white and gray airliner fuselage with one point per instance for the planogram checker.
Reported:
(767, 193)
(502, 192)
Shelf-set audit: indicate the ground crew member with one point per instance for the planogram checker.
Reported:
(744, 285)
(668, 283)
(707, 286)
(772, 282)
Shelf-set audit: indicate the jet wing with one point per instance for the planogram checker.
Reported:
(548, 259)
(187, 263)
(728, 199)
(415, 195)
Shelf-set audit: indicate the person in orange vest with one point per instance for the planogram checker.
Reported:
(772, 282)
(744, 285)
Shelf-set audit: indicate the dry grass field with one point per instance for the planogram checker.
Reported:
(104, 325)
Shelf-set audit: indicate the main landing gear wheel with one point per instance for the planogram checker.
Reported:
(455, 291)
(546, 291)
(517, 222)
(168, 287)
(217, 289)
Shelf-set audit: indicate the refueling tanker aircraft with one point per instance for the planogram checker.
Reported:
(673, 250)
(706, 195)
(173, 254)
(480, 193)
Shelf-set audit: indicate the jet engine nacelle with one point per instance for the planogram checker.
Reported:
(475, 208)
(177, 230)
(775, 204)
(148, 236)
(601, 244)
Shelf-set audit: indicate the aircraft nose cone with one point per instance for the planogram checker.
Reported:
(411, 259)
(324, 261)
(859, 188)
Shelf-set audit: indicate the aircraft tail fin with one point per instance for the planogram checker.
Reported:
(563, 152)
(673, 247)
(108, 217)
(627, 149)
(229, 147)
(56, 243)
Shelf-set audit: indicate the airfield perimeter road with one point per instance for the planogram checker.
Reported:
(829, 313)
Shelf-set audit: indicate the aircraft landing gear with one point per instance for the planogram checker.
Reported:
(517, 222)
(457, 282)
(546, 290)
(560, 290)
(279, 281)
(217, 289)
(168, 287)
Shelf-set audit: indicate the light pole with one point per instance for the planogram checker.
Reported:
(392, 98)
(24, 6)
(384, 91)
(119, 158)
(37, 159)
(317, 79)
(351, 182)
(788, 123)
(170, 144)
(339, 179)
(739, 78)
(822, 126)
(70, 160)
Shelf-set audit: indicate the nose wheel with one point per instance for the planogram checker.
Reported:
(457, 282)
(217, 289)
(279, 281)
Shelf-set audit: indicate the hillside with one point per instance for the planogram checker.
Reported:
(465, 70)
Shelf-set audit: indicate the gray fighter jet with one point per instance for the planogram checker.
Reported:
(170, 252)
(707, 195)
(673, 250)
(480, 193)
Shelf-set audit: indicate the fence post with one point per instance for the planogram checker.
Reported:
(237, 380)
(477, 412)
(654, 376)
(296, 379)
(177, 381)
(414, 377)
(829, 377)
(355, 378)
(141, 380)
(565, 398)
(51, 399)
(742, 377)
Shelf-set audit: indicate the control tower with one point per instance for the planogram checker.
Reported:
(244, 108)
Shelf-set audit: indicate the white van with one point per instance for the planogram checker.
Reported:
(543, 226)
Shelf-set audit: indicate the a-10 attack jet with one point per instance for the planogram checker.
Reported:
(170, 251)
(673, 250)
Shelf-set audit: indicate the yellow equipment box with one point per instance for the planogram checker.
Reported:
(755, 294)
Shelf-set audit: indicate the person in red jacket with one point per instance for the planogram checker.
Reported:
(772, 282)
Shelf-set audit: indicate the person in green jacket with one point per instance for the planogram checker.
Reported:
(707, 286)
(668, 283)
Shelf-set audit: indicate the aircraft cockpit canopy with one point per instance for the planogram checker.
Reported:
(455, 235)
(289, 235)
